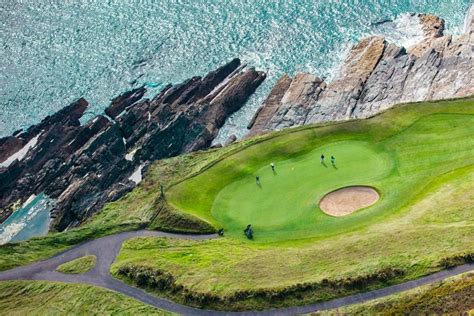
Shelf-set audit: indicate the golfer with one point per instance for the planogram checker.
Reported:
(249, 231)
(322, 158)
(333, 160)
(273, 166)
(257, 180)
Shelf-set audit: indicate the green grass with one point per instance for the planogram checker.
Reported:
(54, 298)
(451, 296)
(419, 156)
(25, 252)
(398, 152)
(286, 204)
(79, 265)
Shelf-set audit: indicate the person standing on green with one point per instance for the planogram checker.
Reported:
(249, 231)
(322, 158)
(333, 160)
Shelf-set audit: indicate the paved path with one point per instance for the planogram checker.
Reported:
(107, 248)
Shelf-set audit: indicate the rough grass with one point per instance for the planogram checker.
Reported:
(451, 296)
(54, 298)
(25, 252)
(423, 222)
(79, 265)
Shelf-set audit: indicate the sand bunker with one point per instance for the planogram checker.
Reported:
(348, 200)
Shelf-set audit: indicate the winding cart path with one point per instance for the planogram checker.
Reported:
(107, 248)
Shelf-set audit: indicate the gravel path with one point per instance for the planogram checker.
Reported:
(107, 248)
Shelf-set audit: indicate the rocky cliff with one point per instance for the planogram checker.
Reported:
(83, 167)
(375, 76)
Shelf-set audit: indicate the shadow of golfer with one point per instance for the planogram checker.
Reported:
(274, 172)
(334, 166)
(324, 164)
(259, 185)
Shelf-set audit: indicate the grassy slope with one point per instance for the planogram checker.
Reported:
(431, 216)
(79, 265)
(453, 296)
(54, 298)
(16, 254)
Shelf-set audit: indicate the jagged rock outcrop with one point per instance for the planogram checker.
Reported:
(375, 76)
(83, 167)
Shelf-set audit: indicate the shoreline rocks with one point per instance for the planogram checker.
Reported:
(375, 76)
(84, 167)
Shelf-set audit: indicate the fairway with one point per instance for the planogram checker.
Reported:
(398, 161)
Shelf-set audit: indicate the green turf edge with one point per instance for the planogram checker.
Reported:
(168, 219)
(79, 265)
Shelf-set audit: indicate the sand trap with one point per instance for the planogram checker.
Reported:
(348, 200)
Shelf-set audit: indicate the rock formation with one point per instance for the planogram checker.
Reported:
(375, 76)
(83, 167)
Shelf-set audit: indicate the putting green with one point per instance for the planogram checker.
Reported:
(398, 153)
(288, 199)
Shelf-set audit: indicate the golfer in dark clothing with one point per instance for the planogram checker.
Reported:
(273, 166)
(249, 231)
(333, 160)
(322, 158)
(257, 179)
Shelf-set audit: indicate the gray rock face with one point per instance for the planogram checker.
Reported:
(375, 76)
(83, 167)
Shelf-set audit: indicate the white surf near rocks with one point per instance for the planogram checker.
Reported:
(30, 220)
(19, 155)
(375, 76)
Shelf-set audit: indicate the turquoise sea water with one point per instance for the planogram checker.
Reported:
(30, 220)
(53, 52)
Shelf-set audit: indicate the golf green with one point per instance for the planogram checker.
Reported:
(397, 153)
(288, 199)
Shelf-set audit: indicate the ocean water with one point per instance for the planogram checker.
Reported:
(53, 52)
(30, 220)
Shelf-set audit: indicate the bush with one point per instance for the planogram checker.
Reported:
(453, 261)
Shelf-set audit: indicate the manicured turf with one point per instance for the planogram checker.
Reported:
(54, 298)
(398, 153)
(80, 265)
(287, 202)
